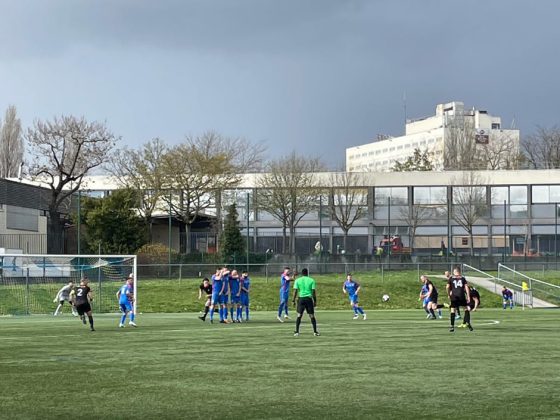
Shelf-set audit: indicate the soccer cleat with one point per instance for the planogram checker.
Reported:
(223, 322)
(316, 334)
(92, 329)
(451, 329)
(84, 320)
(458, 317)
(121, 325)
(211, 321)
(429, 316)
(446, 305)
(279, 319)
(355, 316)
(440, 316)
(365, 317)
(461, 325)
(287, 317)
(296, 334)
(469, 326)
(201, 318)
(132, 324)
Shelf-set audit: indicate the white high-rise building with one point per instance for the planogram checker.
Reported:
(439, 135)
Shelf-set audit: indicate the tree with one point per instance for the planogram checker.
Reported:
(11, 144)
(347, 201)
(112, 224)
(144, 171)
(542, 149)
(197, 170)
(469, 203)
(288, 192)
(414, 215)
(460, 149)
(231, 242)
(501, 152)
(63, 151)
(418, 161)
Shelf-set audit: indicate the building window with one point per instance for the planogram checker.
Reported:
(430, 195)
(495, 126)
(399, 195)
(546, 193)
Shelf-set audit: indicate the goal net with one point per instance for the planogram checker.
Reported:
(30, 283)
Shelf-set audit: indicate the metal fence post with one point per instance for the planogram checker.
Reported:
(27, 291)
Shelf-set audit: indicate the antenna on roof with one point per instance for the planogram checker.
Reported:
(513, 123)
(404, 107)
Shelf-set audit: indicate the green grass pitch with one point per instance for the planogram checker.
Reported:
(396, 364)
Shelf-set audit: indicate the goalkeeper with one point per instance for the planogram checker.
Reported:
(125, 295)
(63, 295)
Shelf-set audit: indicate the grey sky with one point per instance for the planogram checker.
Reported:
(311, 76)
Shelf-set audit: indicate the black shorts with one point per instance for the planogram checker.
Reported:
(83, 308)
(457, 301)
(305, 304)
(434, 299)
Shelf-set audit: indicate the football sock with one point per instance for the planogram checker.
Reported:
(246, 312)
(123, 318)
(231, 312)
(206, 309)
(511, 305)
(224, 312)
(458, 312)
(440, 306)
(60, 306)
(221, 313)
(211, 314)
(298, 321)
(432, 313)
(439, 312)
(504, 306)
(90, 321)
(280, 308)
(314, 323)
(286, 308)
(360, 310)
(452, 319)
(355, 310)
(132, 316)
(467, 317)
(427, 311)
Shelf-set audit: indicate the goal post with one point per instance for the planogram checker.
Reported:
(30, 282)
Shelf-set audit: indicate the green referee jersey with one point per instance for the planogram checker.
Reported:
(305, 285)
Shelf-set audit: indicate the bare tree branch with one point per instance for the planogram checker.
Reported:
(63, 151)
(288, 191)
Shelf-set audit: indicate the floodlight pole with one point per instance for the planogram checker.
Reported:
(247, 215)
(78, 227)
(556, 233)
(505, 225)
(169, 238)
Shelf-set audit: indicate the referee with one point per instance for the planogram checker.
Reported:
(307, 301)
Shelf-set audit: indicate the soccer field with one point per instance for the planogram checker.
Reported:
(396, 364)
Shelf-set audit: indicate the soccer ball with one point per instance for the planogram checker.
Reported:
(385, 298)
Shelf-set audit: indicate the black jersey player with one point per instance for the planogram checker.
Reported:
(205, 288)
(81, 298)
(459, 295)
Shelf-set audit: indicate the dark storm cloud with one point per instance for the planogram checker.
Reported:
(313, 76)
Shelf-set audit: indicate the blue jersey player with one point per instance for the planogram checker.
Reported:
(224, 297)
(217, 286)
(245, 284)
(285, 281)
(235, 295)
(125, 295)
(352, 289)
